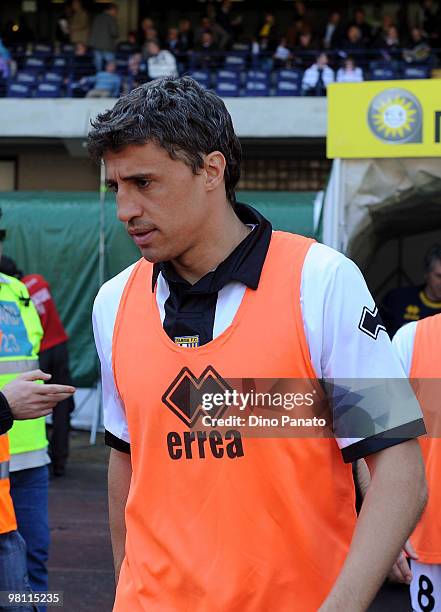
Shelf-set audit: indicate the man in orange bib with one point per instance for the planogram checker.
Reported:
(211, 519)
(417, 345)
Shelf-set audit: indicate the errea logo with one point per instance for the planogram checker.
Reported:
(184, 398)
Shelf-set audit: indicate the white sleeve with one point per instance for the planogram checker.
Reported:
(403, 342)
(350, 351)
(104, 314)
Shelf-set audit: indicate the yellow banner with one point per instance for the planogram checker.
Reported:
(384, 119)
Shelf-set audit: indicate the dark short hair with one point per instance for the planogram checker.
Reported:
(433, 254)
(179, 115)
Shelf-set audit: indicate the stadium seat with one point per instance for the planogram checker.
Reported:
(60, 65)
(203, 77)
(228, 76)
(43, 50)
(3, 87)
(258, 75)
(227, 90)
(124, 49)
(288, 88)
(19, 90)
(289, 74)
(383, 74)
(26, 78)
(256, 88)
(34, 64)
(67, 49)
(235, 62)
(53, 77)
(122, 67)
(416, 72)
(48, 90)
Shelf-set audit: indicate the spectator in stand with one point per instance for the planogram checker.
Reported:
(160, 63)
(150, 35)
(220, 37)
(430, 20)
(207, 52)
(267, 31)
(282, 56)
(353, 45)
(185, 36)
(349, 73)
(365, 29)
(305, 52)
(81, 63)
(317, 77)
(389, 45)
(333, 33)
(381, 33)
(224, 18)
(146, 24)
(107, 84)
(172, 41)
(418, 51)
(78, 23)
(103, 36)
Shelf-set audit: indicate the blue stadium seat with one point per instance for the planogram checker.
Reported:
(256, 88)
(42, 50)
(122, 66)
(19, 90)
(53, 77)
(289, 74)
(228, 76)
(203, 77)
(227, 90)
(34, 64)
(48, 90)
(26, 78)
(288, 88)
(235, 62)
(258, 75)
(416, 72)
(60, 65)
(384, 74)
(67, 49)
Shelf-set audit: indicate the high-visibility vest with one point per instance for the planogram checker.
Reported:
(425, 374)
(225, 523)
(7, 515)
(21, 334)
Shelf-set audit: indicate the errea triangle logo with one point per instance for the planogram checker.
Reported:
(371, 323)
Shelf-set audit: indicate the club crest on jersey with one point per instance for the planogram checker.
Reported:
(184, 398)
(187, 341)
(371, 323)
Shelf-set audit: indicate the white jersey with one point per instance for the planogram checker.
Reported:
(345, 336)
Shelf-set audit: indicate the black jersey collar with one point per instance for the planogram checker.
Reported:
(244, 264)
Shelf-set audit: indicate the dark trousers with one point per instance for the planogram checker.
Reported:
(55, 361)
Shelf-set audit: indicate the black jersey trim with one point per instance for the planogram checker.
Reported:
(120, 445)
(383, 440)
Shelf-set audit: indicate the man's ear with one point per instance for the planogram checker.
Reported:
(214, 166)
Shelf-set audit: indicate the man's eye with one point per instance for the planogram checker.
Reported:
(113, 188)
(143, 183)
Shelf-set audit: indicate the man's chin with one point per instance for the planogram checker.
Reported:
(152, 255)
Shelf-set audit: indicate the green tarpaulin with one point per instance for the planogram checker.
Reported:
(56, 235)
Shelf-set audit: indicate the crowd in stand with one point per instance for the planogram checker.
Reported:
(102, 61)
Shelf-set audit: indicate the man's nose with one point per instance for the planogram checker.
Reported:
(127, 207)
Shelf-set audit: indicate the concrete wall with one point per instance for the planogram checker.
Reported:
(252, 117)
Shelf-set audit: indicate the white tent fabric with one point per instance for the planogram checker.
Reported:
(369, 201)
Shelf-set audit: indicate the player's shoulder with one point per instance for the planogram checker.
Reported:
(405, 333)
(323, 261)
(14, 284)
(112, 290)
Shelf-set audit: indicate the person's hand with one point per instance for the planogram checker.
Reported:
(28, 400)
(401, 571)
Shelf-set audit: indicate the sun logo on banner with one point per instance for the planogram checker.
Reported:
(395, 116)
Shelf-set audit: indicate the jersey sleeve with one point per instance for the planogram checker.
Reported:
(403, 342)
(103, 319)
(373, 405)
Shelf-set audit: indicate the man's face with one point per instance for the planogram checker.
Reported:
(161, 202)
(433, 281)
